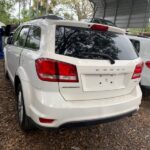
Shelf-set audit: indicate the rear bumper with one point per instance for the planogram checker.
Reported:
(86, 123)
(51, 105)
(94, 122)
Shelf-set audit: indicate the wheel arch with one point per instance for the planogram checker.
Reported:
(19, 77)
(16, 83)
(22, 78)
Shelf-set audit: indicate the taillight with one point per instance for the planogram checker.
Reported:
(99, 27)
(56, 71)
(67, 72)
(148, 64)
(138, 71)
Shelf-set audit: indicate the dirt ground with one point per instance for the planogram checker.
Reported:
(130, 133)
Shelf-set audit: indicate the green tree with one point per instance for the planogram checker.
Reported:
(82, 8)
(5, 11)
(24, 13)
(41, 7)
(69, 9)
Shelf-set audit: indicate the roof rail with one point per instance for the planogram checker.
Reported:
(50, 16)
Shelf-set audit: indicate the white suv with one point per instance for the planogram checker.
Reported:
(142, 45)
(66, 72)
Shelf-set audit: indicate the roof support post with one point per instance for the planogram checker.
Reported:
(146, 13)
(116, 12)
(130, 15)
(94, 10)
(105, 7)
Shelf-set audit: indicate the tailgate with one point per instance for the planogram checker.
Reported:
(99, 79)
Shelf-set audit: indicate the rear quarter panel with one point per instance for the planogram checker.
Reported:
(145, 55)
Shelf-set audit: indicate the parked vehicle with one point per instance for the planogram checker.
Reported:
(1, 40)
(69, 72)
(142, 45)
(99, 20)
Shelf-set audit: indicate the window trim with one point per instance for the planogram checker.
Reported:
(19, 34)
(135, 40)
(126, 53)
(19, 28)
(31, 27)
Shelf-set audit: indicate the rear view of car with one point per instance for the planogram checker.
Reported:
(142, 45)
(97, 71)
(81, 72)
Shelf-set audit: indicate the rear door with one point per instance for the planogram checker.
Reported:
(98, 78)
(30, 51)
(14, 50)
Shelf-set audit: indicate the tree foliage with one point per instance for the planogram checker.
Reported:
(5, 10)
(82, 8)
(69, 9)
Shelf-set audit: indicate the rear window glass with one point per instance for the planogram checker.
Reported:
(136, 44)
(89, 44)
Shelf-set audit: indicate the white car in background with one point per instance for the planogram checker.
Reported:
(68, 72)
(142, 45)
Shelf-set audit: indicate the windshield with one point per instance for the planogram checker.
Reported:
(81, 42)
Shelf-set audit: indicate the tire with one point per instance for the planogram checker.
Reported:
(6, 75)
(24, 121)
(145, 91)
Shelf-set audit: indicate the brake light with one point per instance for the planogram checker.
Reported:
(148, 64)
(67, 72)
(56, 71)
(99, 27)
(138, 71)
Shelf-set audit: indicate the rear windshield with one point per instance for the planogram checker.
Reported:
(90, 44)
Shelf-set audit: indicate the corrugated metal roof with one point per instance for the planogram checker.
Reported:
(124, 13)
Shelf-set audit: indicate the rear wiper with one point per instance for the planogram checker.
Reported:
(112, 61)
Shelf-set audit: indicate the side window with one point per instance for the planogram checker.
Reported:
(20, 40)
(33, 40)
(15, 35)
(136, 44)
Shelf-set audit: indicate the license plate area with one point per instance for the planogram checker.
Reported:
(103, 82)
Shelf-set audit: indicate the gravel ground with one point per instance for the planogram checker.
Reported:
(126, 134)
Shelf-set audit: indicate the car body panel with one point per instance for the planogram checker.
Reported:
(145, 55)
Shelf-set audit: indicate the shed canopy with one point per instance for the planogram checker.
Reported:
(124, 13)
